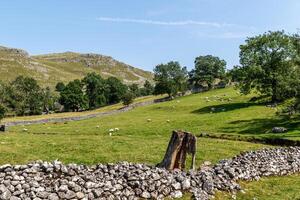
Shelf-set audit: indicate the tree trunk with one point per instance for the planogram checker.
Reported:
(180, 144)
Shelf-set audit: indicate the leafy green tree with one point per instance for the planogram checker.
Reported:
(49, 100)
(207, 70)
(170, 78)
(116, 89)
(2, 111)
(26, 96)
(95, 90)
(73, 97)
(60, 86)
(267, 65)
(149, 89)
(134, 88)
(128, 98)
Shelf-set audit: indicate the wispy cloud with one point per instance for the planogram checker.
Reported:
(165, 23)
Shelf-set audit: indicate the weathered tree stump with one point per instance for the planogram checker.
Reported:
(180, 144)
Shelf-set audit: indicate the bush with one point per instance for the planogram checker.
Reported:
(290, 106)
(2, 111)
(128, 98)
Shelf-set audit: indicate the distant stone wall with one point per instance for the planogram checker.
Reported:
(77, 118)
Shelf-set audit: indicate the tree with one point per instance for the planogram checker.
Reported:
(148, 88)
(128, 98)
(267, 65)
(95, 90)
(72, 97)
(60, 86)
(2, 111)
(25, 96)
(48, 100)
(170, 78)
(116, 89)
(134, 88)
(207, 70)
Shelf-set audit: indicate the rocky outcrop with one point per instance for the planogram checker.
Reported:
(44, 180)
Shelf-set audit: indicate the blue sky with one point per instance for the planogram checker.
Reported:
(143, 33)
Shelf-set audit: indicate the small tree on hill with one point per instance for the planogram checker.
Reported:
(25, 96)
(60, 86)
(95, 88)
(134, 88)
(170, 78)
(128, 98)
(207, 70)
(116, 89)
(148, 88)
(72, 97)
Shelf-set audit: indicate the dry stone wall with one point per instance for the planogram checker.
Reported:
(45, 180)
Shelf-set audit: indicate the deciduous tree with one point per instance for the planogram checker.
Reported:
(170, 78)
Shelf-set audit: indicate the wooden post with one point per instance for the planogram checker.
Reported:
(180, 144)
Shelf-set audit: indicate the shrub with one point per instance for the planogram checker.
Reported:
(128, 98)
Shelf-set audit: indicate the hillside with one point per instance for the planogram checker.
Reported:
(51, 68)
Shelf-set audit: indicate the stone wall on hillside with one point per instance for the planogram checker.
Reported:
(77, 118)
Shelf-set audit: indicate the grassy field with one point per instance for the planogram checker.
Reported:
(275, 188)
(75, 114)
(221, 111)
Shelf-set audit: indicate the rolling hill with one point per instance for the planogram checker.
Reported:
(52, 68)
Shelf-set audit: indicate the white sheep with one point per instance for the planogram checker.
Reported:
(111, 130)
(25, 129)
(149, 120)
(97, 126)
(117, 129)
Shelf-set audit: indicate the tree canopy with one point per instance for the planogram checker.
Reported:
(268, 65)
(207, 69)
(116, 89)
(95, 88)
(72, 97)
(170, 78)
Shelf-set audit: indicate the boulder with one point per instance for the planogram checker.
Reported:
(279, 130)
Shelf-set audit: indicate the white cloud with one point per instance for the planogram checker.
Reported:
(165, 23)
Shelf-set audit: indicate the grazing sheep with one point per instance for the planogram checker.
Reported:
(149, 120)
(111, 130)
(97, 126)
(117, 129)
(25, 129)
(168, 121)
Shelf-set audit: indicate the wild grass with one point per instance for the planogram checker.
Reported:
(222, 111)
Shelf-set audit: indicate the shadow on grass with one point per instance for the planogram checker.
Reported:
(223, 107)
(263, 126)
